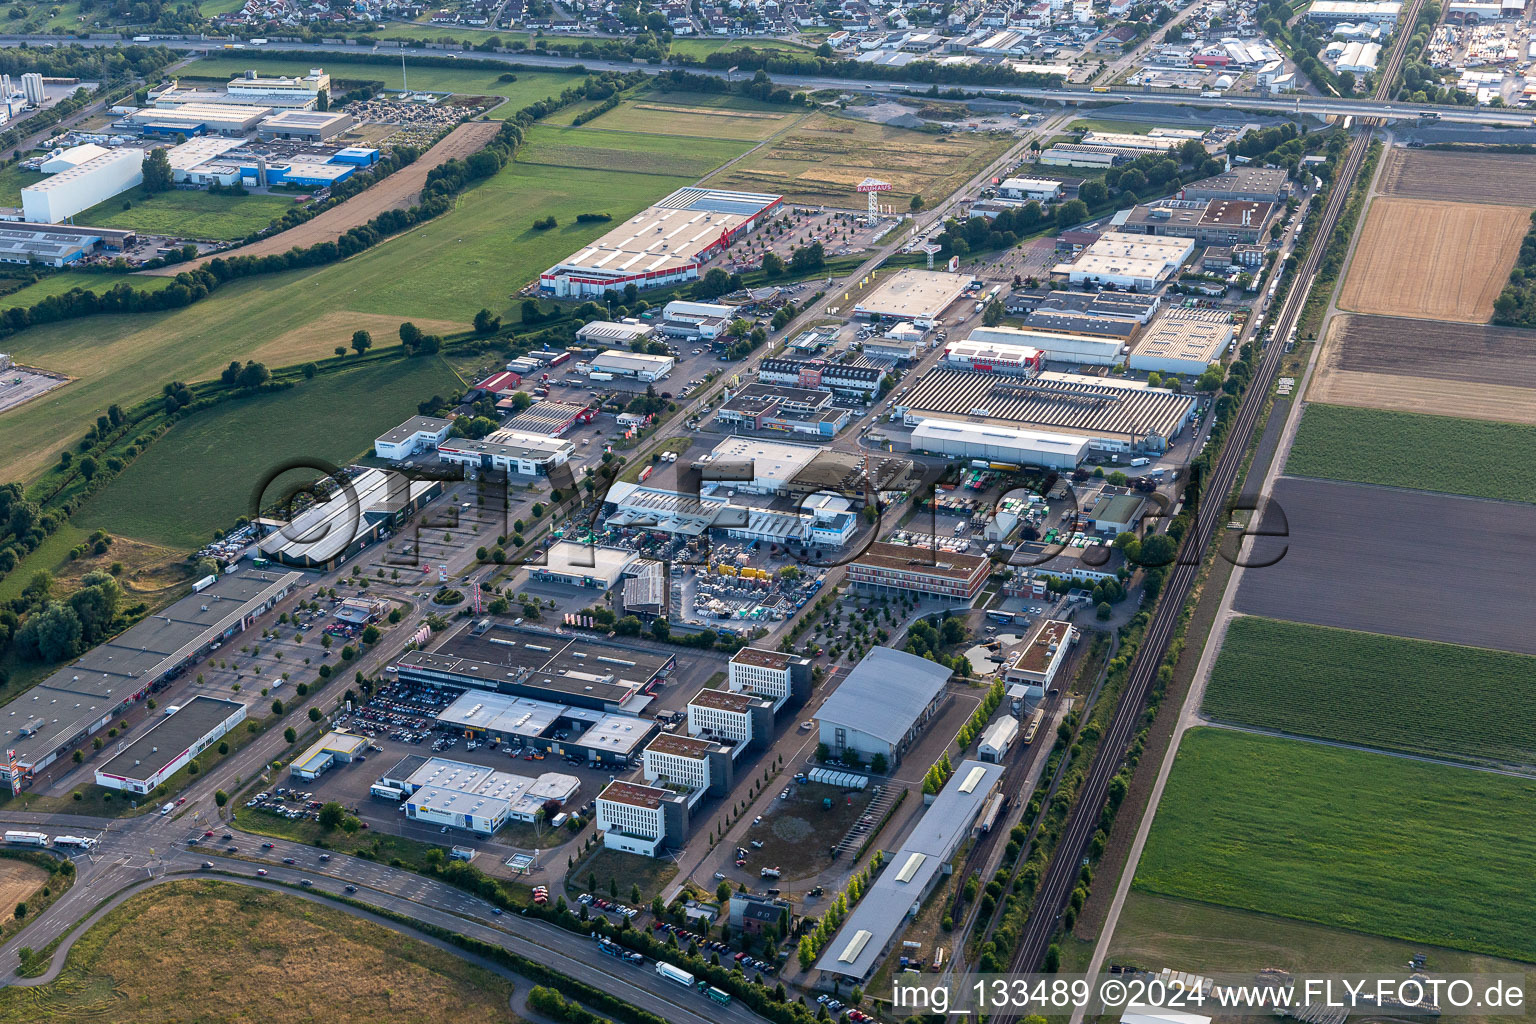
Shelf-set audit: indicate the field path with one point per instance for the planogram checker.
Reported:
(396, 192)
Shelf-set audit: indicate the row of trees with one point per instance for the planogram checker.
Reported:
(1516, 304)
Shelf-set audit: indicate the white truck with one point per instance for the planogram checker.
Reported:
(676, 974)
(18, 838)
(75, 842)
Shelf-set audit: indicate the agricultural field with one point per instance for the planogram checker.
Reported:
(824, 157)
(1405, 563)
(530, 87)
(1503, 179)
(637, 154)
(18, 881)
(1342, 685)
(61, 282)
(1437, 260)
(699, 115)
(200, 476)
(1415, 851)
(1465, 370)
(478, 255)
(226, 948)
(189, 213)
(1426, 453)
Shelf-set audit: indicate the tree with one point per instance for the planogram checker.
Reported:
(917, 203)
(277, 707)
(773, 263)
(314, 714)
(486, 322)
(410, 335)
(51, 634)
(993, 314)
(1073, 211)
(1093, 192)
(362, 341)
(289, 734)
(723, 893)
(157, 171)
(331, 814)
(88, 467)
(220, 798)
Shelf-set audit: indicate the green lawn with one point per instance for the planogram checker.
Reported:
(200, 475)
(1385, 691)
(476, 256)
(638, 154)
(12, 180)
(188, 213)
(530, 86)
(1429, 453)
(1365, 841)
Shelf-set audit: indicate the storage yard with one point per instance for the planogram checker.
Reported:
(1287, 676)
(1444, 261)
(1448, 369)
(1499, 178)
(1356, 557)
(1360, 863)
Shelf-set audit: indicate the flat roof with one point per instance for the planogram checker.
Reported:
(633, 794)
(303, 118)
(332, 742)
(885, 693)
(1036, 655)
(1066, 445)
(684, 746)
(85, 169)
(914, 295)
(874, 923)
(1061, 402)
(616, 734)
(1093, 325)
(170, 737)
(325, 529)
(1237, 213)
(413, 426)
(601, 563)
(501, 713)
(633, 360)
(669, 235)
(951, 565)
(69, 700)
(515, 444)
(761, 658)
(725, 700)
(1186, 334)
(770, 460)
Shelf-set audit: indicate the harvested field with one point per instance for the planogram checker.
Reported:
(395, 192)
(1475, 371)
(1500, 178)
(18, 881)
(1428, 566)
(636, 153)
(1426, 453)
(692, 116)
(224, 949)
(1339, 684)
(1417, 851)
(1440, 261)
(824, 157)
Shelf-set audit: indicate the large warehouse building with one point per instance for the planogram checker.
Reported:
(372, 504)
(82, 186)
(882, 706)
(511, 451)
(1183, 341)
(1113, 415)
(633, 364)
(1010, 445)
(665, 244)
(1133, 262)
(169, 744)
(913, 295)
(1076, 349)
(471, 796)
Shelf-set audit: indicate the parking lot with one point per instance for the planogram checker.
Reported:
(18, 385)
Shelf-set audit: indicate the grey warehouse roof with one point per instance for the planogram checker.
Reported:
(885, 693)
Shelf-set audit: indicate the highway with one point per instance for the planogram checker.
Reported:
(1062, 872)
(1315, 105)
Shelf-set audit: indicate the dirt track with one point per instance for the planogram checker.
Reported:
(396, 192)
(1436, 260)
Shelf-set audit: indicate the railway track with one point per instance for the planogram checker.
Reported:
(1062, 872)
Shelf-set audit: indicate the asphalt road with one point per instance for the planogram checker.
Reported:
(1281, 104)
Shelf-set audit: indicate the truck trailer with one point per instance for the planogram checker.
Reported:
(676, 974)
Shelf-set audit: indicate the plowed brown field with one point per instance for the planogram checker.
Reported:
(1502, 178)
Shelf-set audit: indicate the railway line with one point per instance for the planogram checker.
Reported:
(1062, 871)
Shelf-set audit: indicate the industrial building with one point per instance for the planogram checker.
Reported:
(593, 736)
(646, 820)
(784, 410)
(166, 747)
(1116, 512)
(919, 570)
(916, 295)
(822, 375)
(80, 187)
(754, 465)
(55, 245)
(739, 720)
(64, 159)
(1034, 664)
(331, 749)
(1010, 446)
(580, 673)
(1042, 190)
(633, 364)
(583, 565)
(776, 675)
(882, 706)
(62, 711)
(636, 506)
(1129, 261)
(1068, 154)
(1216, 221)
(997, 739)
(1075, 349)
(510, 451)
(991, 357)
(1255, 184)
(208, 159)
(473, 797)
(695, 321)
(367, 506)
(608, 333)
(899, 343)
(665, 244)
(299, 91)
(912, 873)
(416, 435)
(305, 125)
(1377, 12)
(1183, 340)
(1114, 415)
(697, 765)
(191, 119)
(549, 417)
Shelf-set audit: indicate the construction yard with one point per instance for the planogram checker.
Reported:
(1448, 369)
(1438, 260)
(1425, 852)
(824, 157)
(1499, 178)
(1430, 566)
